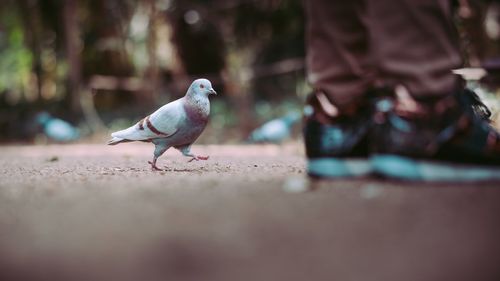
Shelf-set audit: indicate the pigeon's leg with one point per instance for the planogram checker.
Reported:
(153, 164)
(160, 148)
(186, 151)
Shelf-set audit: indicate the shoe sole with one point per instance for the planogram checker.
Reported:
(404, 168)
(338, 167)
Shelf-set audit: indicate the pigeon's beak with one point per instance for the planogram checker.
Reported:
(212, 91)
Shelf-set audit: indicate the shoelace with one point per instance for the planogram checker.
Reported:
(477, 105)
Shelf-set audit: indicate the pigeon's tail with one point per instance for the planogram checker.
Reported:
(116, 140)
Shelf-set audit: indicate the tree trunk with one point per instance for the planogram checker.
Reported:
(33, 30)
(152, 73)
(72, 44)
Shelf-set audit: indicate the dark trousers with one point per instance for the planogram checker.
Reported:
(353, 45)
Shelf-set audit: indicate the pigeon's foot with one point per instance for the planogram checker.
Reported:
(198, 157)
(154, 167)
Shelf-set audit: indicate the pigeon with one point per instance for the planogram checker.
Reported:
(276, 130)
(57, 129)
(177, 124)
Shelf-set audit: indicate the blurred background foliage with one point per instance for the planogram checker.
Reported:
(102, 65)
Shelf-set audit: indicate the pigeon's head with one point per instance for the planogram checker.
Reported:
(202, 87)
(291, 118)
(42, 118)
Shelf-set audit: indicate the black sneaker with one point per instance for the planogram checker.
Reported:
(336, 143)
(445, 140)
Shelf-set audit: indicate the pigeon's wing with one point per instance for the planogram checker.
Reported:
(162, 123)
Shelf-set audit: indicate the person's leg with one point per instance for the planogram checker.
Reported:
(429, 129)
(339, 69)
(432, 129)
(416, 45)
(338, 49)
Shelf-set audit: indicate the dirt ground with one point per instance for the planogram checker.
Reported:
(95, 212)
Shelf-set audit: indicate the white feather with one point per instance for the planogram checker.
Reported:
(166, 120)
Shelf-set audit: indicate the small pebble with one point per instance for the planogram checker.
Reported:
(53, 159)
(296, 185)
(370, 191)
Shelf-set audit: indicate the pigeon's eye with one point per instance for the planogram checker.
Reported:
(202, 86)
